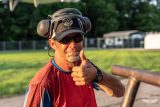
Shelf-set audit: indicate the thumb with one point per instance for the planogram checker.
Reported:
(83, 57)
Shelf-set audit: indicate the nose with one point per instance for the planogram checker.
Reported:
(72, 43)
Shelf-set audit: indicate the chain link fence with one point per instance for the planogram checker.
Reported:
(23, 45)
(88, 43)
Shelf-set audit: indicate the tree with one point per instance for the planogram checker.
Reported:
(102, 15)
(105, 16)
(123, 8)
(146, 17)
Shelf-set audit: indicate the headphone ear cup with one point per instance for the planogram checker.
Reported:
(43, 28)
(87, 24)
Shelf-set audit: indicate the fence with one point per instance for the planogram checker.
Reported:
(88, 43)
(23, 45)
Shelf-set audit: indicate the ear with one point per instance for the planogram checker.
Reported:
(51, 43)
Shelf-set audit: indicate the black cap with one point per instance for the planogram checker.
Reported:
(67, 26)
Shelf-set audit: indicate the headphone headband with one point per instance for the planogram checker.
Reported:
(65, 17)
(48, 27)
(66, 11)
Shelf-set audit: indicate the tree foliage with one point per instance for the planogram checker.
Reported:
(146, 17)
(105, 16)
(102, 15)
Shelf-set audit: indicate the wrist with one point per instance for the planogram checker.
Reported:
(99, 75)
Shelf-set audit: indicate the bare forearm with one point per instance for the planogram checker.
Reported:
(111, 85)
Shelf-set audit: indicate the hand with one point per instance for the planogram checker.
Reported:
(84, 73)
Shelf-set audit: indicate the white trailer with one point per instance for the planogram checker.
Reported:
(152, 41)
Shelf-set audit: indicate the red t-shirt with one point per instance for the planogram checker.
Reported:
(53, 87)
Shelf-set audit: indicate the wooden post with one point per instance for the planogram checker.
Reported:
(136, 76)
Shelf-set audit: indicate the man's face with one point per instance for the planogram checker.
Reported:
(69, 47)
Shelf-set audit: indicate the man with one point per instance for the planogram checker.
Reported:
(68, 79)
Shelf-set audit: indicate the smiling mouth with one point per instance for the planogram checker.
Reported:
(72, 56)
(73, 53)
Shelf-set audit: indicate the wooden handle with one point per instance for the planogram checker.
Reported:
(141, 75)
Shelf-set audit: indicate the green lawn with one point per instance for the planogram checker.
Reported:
(17, 68)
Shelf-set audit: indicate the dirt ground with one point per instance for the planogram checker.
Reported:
(147, 96)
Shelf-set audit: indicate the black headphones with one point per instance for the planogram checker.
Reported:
(47, 27)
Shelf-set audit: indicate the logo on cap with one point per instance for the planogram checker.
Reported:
(68, 22)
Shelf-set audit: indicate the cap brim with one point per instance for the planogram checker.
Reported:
(60, 36)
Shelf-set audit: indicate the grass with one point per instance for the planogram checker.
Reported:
(17, 68)
(146, 60)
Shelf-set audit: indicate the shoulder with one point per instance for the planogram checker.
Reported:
(42, 77)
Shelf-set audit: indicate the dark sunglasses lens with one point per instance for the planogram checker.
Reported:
(67, 40)
(78, 39)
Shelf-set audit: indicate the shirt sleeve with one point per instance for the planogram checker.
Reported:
(37, 96)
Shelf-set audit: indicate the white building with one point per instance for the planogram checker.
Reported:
(152, 41)
(124, 39)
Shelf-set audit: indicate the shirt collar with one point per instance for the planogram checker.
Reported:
(59, 68)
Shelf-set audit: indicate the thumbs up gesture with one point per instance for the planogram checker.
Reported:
(85, 72)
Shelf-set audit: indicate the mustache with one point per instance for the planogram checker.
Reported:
(75, 53)
(74, 50)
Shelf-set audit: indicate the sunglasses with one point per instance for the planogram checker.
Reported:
(68, 39)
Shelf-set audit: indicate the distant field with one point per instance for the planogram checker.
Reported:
(17, 68)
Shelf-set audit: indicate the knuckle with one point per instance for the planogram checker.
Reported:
(81, 68)
(74, 79)
(83, 83)
(80, 75)
(73, 74)
(80, 83)
(77, 83)
(84, 79)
